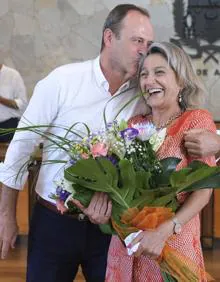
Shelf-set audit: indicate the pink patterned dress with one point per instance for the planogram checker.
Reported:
(124, 268)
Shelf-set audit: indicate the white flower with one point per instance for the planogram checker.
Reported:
(156, 140)
(146, 130)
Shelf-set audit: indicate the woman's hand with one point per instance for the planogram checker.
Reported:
(152, 241)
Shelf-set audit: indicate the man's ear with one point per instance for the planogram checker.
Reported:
(108, 36)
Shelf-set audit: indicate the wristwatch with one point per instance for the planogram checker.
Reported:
(177, 228)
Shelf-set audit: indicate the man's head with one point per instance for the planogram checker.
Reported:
(127, 33)
(116, 16)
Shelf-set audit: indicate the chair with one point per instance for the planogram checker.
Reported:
(33, 169)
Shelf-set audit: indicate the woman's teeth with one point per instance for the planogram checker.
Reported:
(154, 91)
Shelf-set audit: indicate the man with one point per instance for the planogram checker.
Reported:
(202, 143)
(13, 99)
(58, 244)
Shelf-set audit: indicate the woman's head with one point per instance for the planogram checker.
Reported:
(166, 74)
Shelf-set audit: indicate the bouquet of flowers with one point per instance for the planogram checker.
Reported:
(122, 162)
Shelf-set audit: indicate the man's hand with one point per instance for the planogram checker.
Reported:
(8, 234)
(99, 210)
(201, 143)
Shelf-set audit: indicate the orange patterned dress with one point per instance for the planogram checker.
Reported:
(124, 268)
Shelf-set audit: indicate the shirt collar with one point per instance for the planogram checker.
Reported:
(100, 78)
(102, 81)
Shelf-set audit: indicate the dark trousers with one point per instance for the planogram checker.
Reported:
(58, 244)
(10, 123)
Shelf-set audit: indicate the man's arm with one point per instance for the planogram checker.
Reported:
(8, 222)
(8, 103)
(202, 143)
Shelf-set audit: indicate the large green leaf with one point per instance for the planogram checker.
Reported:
(211, 181)
(164, 200)
(168, 166)
(178, 178)
(204, 177)
(144, 200)
(142, 183)
(98, 175)
(127, 179)
(102, 176)
(82, 194)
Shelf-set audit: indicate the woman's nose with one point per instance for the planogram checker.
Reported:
(149, 79)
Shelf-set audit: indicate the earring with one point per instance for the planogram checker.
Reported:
(181, 101)
(180, 98)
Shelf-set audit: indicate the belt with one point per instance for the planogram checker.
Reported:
(52, 207)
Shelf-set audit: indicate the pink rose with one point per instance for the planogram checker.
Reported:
(85, 156)
(99, 149)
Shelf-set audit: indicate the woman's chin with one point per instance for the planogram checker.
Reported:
(154, 101)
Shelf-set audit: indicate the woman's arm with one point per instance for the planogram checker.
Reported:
(152, 242)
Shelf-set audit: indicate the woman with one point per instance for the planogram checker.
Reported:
(174, 95)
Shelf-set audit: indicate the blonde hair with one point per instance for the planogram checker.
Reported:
(193, 91)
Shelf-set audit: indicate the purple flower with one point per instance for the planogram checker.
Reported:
(62, 194)
(72, 162)
(112, 159)
(129, 133)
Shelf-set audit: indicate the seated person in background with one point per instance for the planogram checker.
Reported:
(13, 99)
(174, 95)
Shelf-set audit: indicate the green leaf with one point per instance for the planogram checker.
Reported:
(101, 176)
(211, 181)
(168, 167)
(204, 177)
(128, 180)
(82, 194)
(164, 200)
(144, 200)
(197, 164)
(122, 125)
(167, 277)
(178, 178)
(142, 182)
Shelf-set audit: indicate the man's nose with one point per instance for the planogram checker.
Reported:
(142, 51)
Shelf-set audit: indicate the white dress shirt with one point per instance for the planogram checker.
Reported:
(71, 93)
(12, 87)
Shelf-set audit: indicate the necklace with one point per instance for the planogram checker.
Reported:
(165, 124)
